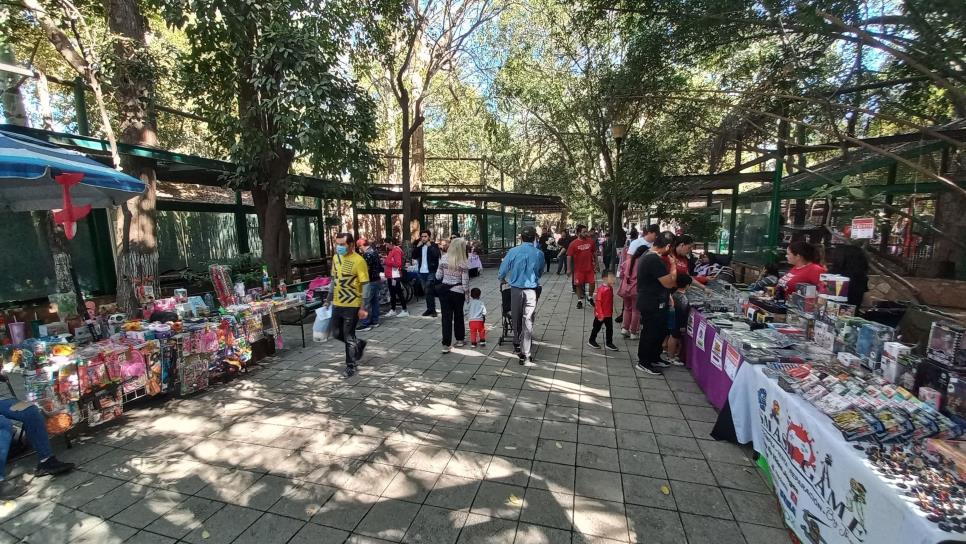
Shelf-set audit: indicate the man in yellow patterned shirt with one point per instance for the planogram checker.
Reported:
(349, 274)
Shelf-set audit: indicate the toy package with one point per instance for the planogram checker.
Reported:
(946, 344)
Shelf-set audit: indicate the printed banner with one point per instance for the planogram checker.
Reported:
(828, 495)
(699, 337)
(716, 346)
(691, 324)
(731, 362)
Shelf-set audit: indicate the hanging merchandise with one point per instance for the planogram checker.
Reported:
(221, 280)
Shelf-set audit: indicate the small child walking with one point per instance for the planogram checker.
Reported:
(604, 312)
(476, 315)
(679, 317)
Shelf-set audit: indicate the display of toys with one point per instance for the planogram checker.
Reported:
(946, 344)
(871, 342)
(835, 285)
(931, 397)
(832, 306)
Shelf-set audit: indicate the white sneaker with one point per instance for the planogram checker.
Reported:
(635, 336)
(446, 349)
(390, 313)
(625, 333)
(403, 313)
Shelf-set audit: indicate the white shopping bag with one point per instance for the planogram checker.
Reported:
(320, 329)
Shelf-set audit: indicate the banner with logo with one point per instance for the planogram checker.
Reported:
(826, 492)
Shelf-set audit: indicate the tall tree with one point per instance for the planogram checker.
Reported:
(270, 77)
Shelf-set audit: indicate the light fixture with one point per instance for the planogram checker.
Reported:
(618, 131)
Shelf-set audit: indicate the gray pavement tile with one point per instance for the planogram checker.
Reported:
(528, 409)
(558, 430)
(758, 534)
(568, 414)
(654, 525)
(103, 533)
(480, 441)
(598, 484)
(596, 517)
(229, 485)
(629, 393)
(224, 526)
(598, 417)
(672, 426)
(535, 534)
(691, 399)
(726, 452)
(388, 520)
(700, 413)
(552, 477)
(429, 458)
(303, 501)
(706, 530)
(468, 464)
(598, 457)
(344, 510)
(632, 422)
(742, 477)
(705, 500)
(372, 478)
(185, 517)
(754, 508)
(646, 491)
(680, 446)
(489, 423)
(597, 436)
(480, 529)
(311, 533)
(556, 451)
(50, 522)
(701, 429)
(688, 470)
(549, 509)
(499, 500)
(270, 529)
(434, 524)
(115, 500)
(637, 440)
(523, 446)
(509, 470)
(523, 426)
(658, 395)
(658, 410)
(95, 488)
(453, 492)
(652, 383)
(411, 485)
(157, 503)
(684, 386)
(641, 463)
(265, 492)
(626, 406)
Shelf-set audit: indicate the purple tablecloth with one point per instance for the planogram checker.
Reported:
(712, 380)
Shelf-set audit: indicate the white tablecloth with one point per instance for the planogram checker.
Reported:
(828, 491)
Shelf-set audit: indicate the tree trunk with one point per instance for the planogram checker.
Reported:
(13, 109)
(405, 143)
(273, 226)
(418, 150)
(135, 221)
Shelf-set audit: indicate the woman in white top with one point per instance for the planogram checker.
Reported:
(454, 277)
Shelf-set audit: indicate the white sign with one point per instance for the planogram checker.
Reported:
(699, 339)
(863, 228)
(716, 346)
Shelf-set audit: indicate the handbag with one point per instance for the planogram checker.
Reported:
(441, 289)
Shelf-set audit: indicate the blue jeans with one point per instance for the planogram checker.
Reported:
(34, 424)
(370, 299)
(428, 280)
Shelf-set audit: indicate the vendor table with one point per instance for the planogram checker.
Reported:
(827, 491)
(706, 359)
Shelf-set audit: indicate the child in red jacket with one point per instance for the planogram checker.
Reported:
(604, 312)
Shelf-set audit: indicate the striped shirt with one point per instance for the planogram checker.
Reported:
(459, 277)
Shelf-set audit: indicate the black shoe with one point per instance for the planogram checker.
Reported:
(10, 490)
(349, 372)
(590, 300)
(364, 328)
(611, 347)
(53, 466)
(648, 369)
(619, 319)
(482, 343)
(429, 313)
(529, 361)
(580, 304)
(522, 357)
(593, 344)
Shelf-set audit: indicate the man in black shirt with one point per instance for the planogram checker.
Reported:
(656, 276)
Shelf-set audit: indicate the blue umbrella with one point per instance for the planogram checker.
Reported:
(28, 167)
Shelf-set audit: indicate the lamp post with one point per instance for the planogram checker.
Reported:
(618, 131)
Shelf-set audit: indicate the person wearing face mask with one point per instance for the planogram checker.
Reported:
(350, 274)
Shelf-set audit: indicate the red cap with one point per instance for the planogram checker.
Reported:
(361, 242)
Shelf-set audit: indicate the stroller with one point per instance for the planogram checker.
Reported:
(505, 312)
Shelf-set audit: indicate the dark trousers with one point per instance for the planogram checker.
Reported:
(562, 264)
(653, 331)
(428, 280)
(396, 293)
(608, 324)
(343, 327)
(452, 308)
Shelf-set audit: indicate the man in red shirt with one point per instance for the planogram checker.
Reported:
(581, 255)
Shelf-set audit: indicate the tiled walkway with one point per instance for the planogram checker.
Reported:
(420, 447)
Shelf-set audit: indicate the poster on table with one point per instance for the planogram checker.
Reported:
(699, 337)
(826, 493)
(731, 361)
(716, 347)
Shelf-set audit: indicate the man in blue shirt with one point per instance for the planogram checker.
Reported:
(522, 268)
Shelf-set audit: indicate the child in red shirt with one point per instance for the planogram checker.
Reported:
(604, 312)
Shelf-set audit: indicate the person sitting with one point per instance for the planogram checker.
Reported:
(35, 428)
(767, 278)
(707, 266)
